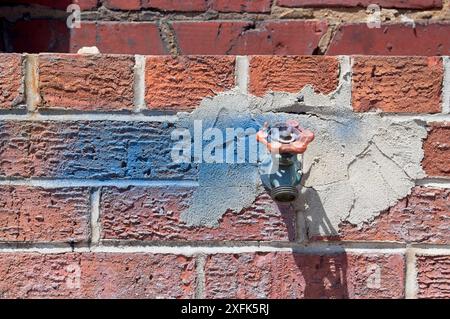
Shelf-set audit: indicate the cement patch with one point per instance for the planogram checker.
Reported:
(359, 164)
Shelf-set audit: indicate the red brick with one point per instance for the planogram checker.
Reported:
(164, 5)
(290, 276)
(86, 82)
(44, 215)
(123, 4)
(245, 38)
(118, 37)
(397, 84)
(291, 74)
(410, 4)
(422, 217)
(437, 150)
(11, 80)
(101, 275)
(433, 277)
(242, 5)
(392, 39)
(140, 213)
(182, 82)
(41, 36)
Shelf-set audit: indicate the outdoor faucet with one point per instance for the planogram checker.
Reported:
(281, 171)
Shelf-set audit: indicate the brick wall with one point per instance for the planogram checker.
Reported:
(238, 27)
(91, 204)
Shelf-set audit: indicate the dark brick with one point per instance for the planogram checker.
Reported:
(244, 38)
(409, 4)
(118, 37)
(392, 39)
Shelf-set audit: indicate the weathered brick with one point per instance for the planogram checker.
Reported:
(437, 150)
(429, 39)
(86, 82)
(242, 5)
(96, 275)
(43, 35)
(288, 275)
(397, 84)
(246, 38)
(44, 215)
(433, 276)
(182, 82)
(11, 80)
(410, 4)
(118, 37)
(422, 217)
(291, 74)
(164, 5)
(85, 149)
(143, 213)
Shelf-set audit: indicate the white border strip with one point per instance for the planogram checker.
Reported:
(56, 183)
(188, 250)
(95, 216)
(242, 73)
(446, 86)
(139, 83)
(89, 117)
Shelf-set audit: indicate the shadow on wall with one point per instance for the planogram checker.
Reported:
(324, 274)
(23, 34)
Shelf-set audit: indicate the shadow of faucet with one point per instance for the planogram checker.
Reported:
(325, 271)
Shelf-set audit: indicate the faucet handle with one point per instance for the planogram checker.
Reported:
(288, 137)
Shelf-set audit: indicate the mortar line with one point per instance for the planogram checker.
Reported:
(58, 183)
(139, 83)
(242, 73)
(31, 82)
(200, 281)
(429, 249)
(95, 216)
(434, 182)
(446, 86)
(432, 251)
(187, 250)
(411, 287)
(428, 118)
(137, 117)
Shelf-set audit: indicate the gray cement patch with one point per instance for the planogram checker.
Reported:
(358, 165)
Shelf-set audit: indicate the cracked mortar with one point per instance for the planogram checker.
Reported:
(359, 164)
